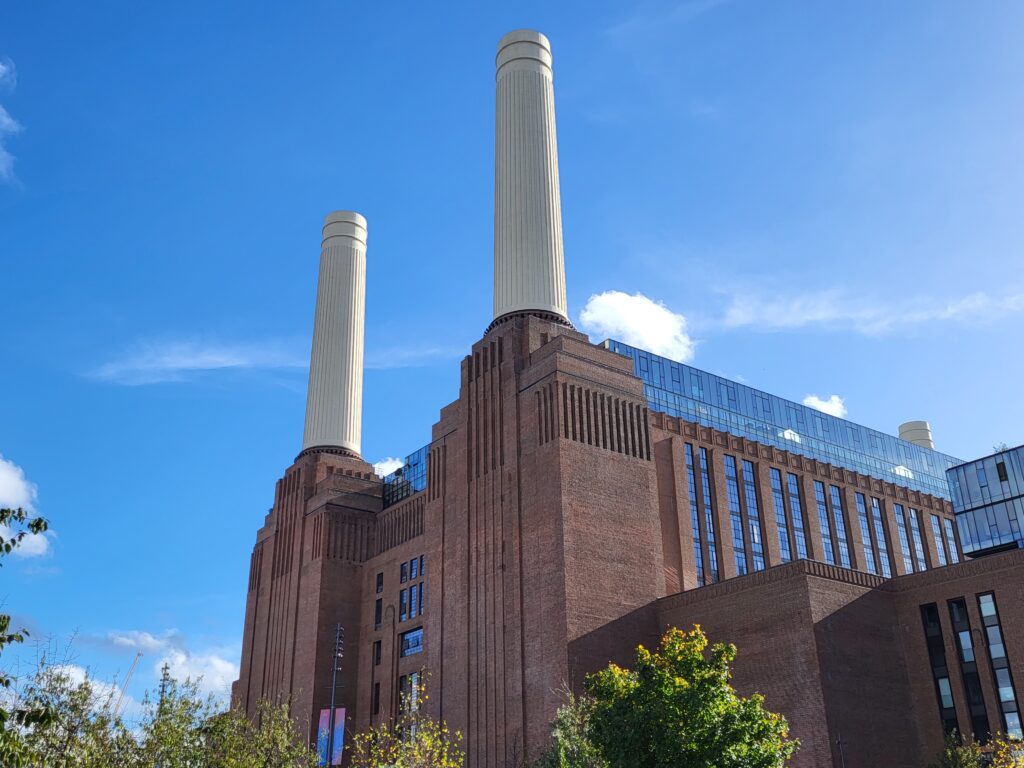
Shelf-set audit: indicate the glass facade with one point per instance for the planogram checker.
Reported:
(837, 513)
(798, 517)
(408, 479)
(753, 515)
(780, 516)
(880, 540)
(915, 535)
(865, 533)
(1000, 666)
(704, 398)
(709, 514)
(732, 486)
(824, 521)
(988, 498)
(901, 527)
(695, 516)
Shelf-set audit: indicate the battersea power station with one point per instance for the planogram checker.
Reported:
(577, 499)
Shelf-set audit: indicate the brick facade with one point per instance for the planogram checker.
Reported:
(556, 535)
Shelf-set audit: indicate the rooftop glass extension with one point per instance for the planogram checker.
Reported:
(698, 396)
(988, 498)
(408, 479)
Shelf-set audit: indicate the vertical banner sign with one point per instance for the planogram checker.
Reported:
(339, 735)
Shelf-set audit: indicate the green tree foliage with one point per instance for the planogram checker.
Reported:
(412, 740)
(999, 752)
(676, 709)
(15, 525)
(571, 746)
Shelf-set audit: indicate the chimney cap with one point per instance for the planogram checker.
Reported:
(524, 44)
(345, 224)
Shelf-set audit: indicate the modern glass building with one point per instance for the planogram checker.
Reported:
(988, 498)
(713, 401)
(408, 479)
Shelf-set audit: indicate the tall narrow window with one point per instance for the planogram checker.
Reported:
(865, 533)
(780, 516)
(376, 653)
(414, 569)
(1000, 666)
(376, 699)
(915, 536)
(880, 540)
(940, 547)
(753, 515)
(947, 526)
(825, 521)
(414, 600)
(709, 514)
(380, 582)
(940, 671)
(378, 610)
(969, 669)
(836, 497)
(695, 516)
(1001, 471)
(403, 606)
(796, 507)
(421, 598)
(732, 488)
(403, 574)
(901, 530)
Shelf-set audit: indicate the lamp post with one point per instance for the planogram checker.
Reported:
(339, 652)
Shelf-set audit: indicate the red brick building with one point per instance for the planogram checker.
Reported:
(561, 519)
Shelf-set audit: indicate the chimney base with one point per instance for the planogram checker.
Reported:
(550, 316)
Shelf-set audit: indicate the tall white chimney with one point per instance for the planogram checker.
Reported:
(918, 432)
(529, 267)
(334, 403)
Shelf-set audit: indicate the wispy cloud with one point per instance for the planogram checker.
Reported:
(639, 321)
(175, 361)
(8, 125)
(833, 405)
(16, 490)
(836, 309)
(213, 667)
(411, 356)
(659, 15)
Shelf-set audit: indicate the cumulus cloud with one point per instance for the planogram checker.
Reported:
(175, 361)
(8, 125)
(104, 695)
(639, 322)
(835, 309)
(210, 670)
(387, 466)
(145, 641)
(833, 405)
(17, 491)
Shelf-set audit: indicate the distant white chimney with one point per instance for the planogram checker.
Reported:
(529, 267)
(334, 403)
(918, 432)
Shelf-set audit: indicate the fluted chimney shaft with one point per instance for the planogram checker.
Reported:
(529, 267)
(334, 403)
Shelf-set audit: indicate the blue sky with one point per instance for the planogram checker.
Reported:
(820, 199)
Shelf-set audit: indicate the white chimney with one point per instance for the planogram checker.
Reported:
(529, 268)
(334, 403)
(918, 432)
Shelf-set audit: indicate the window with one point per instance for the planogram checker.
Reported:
(422, 572)
(1000, 666)
(403, 606)
(411, 642)
(414, 600)
(753, 515)
(380, 582)
(404, 573)
(901, 529)
(780, 516)
(969, 669)
(947, 526)
(915, 536)
(937, 661)
(940, 548)
(883, 547)
(709, 514)
(378, 610)
(732, 487)
(376, 653)
(421, 597)
(376, 698)
(865, 533)
(825, 521)
(798, 516)
(695, 517)
(1001, 471)
(414, 569)
(837, 512)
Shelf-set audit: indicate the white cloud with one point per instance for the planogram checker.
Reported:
(639, 322)
(210, 670)
(145, 641)
(17, 491)
(8, 125)
(173, 361)
(387, 466)
(834, 405)
(834, 309)
(104, 695)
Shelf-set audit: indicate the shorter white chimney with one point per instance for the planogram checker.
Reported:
(334, 403)
(917, 432)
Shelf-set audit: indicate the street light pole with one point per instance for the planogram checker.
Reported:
(339, 652)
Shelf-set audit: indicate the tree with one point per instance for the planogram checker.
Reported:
(999, 752)
(412, 740)
(15, 525)
(571, 745)
(677, 709)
